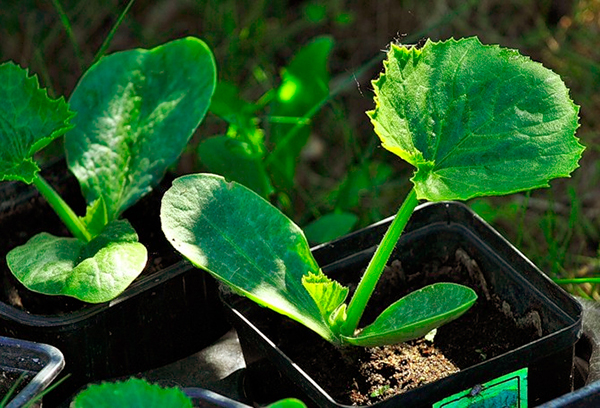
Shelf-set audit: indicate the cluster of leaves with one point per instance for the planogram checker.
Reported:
(243, 154)
(264, 139)
(472, 119)
(129, 118)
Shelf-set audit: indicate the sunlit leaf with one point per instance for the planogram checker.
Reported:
(417, 314)
(475, 119)
(29, 120)
(242, 240)
(136, 111)
(94, 272)
(133, 393)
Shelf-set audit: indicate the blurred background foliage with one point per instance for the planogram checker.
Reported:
(319, 160)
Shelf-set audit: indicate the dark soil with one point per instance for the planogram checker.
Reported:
(22, 220)
(13, 382)
(363, 376)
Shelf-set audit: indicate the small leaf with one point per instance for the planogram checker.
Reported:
(136, 111)
(233, 159)
(328, 295)
(330, 226)
(29, 120)
(228, 105)
(475, 119)
(304, 84)
(133, 393)
(94, 272)
(96, 217)
(245, 242)
(416, 314)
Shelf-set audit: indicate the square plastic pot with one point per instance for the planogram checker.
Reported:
(32, 365)
(159, 319)
(435, 231)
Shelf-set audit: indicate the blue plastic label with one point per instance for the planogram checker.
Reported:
(508, 391)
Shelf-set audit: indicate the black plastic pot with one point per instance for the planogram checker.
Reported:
(585, 397)
(587, 363)
(160, 318)
(435, 231)
(203, 398)
(33, 365)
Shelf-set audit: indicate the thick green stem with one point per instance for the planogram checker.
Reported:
(377, 264)
(62, 209)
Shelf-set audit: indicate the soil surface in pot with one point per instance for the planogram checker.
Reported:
(363, 376)
(23, 220)
(13, 381)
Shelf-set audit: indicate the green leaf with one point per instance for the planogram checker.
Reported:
(328, 294)
(136, 111)
(475, 119)
(330, 226)
(416, 314)
(96, 217)
(236, 161)
(304, 84)
(228, 105)
(133, 393)
(29, 120)
(364, 180)
(94, 272)
(242, 240)
(288, 403)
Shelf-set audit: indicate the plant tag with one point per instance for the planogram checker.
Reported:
(507, 391)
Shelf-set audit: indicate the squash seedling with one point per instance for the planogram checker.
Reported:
(133, 112)
(473, 119)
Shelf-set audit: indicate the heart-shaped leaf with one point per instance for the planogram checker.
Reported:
(94, 272)
(475, 119)
(416, 314)
(242, 240)
(136, 111)
(29, 120)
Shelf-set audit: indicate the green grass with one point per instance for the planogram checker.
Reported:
(558, 228)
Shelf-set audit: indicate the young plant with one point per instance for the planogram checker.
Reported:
(132, 115)
(473, 119)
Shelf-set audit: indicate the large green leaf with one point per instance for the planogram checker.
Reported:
(94, 272)
(29, 120)
(136, 111)
(238, 237)
(475, 119)
(416, 314)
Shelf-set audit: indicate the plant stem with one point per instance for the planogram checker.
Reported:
(62, 209)
(564, 281)
(377, 264)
